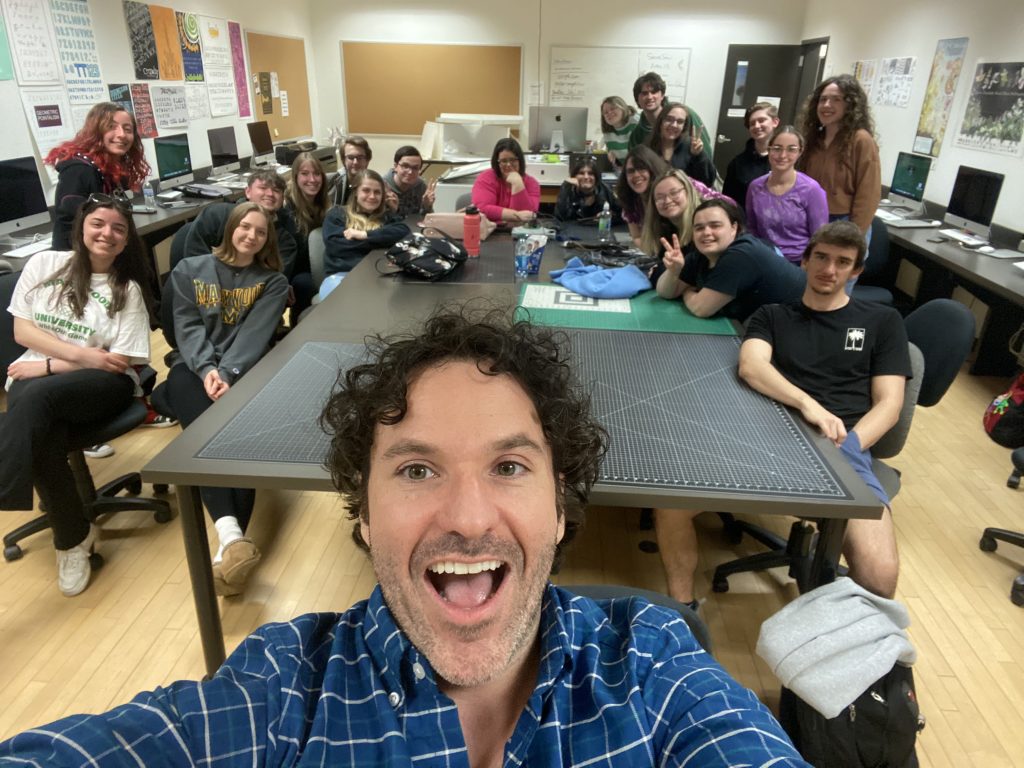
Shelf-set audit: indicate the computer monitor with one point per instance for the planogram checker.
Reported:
(908, 180)
(974, 198)
(262, 145)
(223, 150)
(22, 200)
(173, 159)
(547, 124)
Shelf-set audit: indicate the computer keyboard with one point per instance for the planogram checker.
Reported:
(31, 249)
(969, 240)
(222, 178)
(886, 216)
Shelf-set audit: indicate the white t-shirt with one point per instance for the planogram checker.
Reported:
(127, 333)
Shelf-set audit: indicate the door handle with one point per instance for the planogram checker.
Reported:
(722, 139)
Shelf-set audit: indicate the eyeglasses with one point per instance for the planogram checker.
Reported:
(407, 167)
(675, 121)
(353, 158)
(636, 171)
(119, 200)
(675, 194)
(776, 149)
(508, 161)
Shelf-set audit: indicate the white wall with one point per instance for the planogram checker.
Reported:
(873, 29)
(116, 66)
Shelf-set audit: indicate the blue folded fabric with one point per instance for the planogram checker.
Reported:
(591, 280)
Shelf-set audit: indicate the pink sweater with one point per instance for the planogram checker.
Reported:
(491, 195)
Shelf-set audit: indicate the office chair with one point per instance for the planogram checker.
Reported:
(992, 535)
(463, 200)
(97, 501)
(614, 591)
(879, 274)
(941, 333)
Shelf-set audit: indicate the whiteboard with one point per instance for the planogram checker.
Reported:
(585, 76)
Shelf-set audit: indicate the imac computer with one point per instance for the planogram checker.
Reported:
(173, 160)
(22, 200)
(262, 145)
(558, 129)
(972, 204)
(908, 180)
(224, 160)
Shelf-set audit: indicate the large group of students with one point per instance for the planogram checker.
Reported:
(776, 244)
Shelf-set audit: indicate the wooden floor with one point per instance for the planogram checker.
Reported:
(134, 627)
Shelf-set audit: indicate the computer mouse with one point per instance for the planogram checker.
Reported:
(986, 249)
(935, 223)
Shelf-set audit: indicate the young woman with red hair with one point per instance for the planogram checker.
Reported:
(105, 156)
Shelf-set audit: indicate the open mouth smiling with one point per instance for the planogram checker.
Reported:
(466, 586)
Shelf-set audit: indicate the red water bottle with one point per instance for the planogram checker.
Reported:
(471, 231)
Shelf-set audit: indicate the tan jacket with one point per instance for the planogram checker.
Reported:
(853, 184)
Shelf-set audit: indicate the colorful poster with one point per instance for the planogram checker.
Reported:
(32, 43)
(170, 106)
(865, 72)
(938, 96)
(220, 86)
(191, 53)
(143, 110)
(238, 64)
(143, 44)
(168, 47)
(213, 36)
(266, 99)
(994, 118)
(895, 79)
(121, 94)
(48, 114)
(79, 59)
(6, 65)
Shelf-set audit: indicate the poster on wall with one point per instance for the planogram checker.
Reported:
(79, 59)
(140, 37)
(170, 107)
(220, 87)
(48, 114)
(938, 96)
(865, 71)
(121, 94)
(32, 43)
(266, 99)
(168, 47)
(6, 65)
(895, 79)
(994, 117)
(238, 65)
(213, 36)
(143, 110)
(191, 52)
(198, 101)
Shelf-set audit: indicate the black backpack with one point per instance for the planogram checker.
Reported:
(877, 730)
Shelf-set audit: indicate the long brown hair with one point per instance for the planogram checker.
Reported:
(856, 116)
(309, 214)
(130, 266)
(89, 142)
(268, 256)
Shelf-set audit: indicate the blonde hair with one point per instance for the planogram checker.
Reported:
(366, 222)
(267, 257)
(657, 226)
(309, 214)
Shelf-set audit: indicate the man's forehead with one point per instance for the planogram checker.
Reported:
(835, 249)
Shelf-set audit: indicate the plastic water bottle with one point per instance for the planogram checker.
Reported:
(604, 224)
(149, 194)
(471, 231)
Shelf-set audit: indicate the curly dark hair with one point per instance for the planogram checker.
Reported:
(857, 115)
(536, 357)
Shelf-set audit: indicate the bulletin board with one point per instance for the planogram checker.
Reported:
(584, 76)
(285, 56)
(393, 88)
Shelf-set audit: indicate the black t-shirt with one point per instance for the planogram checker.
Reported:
(832, 356)
(751, 271)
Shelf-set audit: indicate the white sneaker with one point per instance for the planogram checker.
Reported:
(101, 451)
(73, 567)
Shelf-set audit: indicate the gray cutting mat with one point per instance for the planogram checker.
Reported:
(281, 422)
(677, 419)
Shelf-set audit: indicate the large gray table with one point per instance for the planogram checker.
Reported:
(712, 463)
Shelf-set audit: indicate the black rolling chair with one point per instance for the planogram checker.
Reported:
(614, 591)
(879, 275)
(941, 333)
(97, 501)
(993, 535)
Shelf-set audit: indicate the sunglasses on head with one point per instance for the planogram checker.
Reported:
(119, 200)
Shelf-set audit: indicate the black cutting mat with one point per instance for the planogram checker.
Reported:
(677, 418)
(495, 264)
(281, 422)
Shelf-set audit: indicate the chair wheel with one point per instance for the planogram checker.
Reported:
(719, 584)
(1013, 481)
(12, 553)
(160, 488)
(134, 486)
(987, 544)
(648, 546)
(1017, 591)
(163, 516)
(96, 561)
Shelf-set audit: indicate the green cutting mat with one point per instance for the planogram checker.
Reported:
(648, 312)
